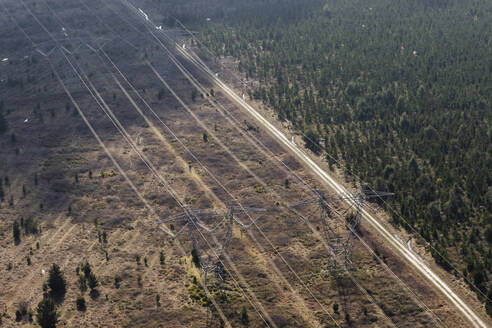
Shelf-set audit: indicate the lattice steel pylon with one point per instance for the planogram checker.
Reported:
(340, 245)
(338, 241)
(359, 202)
(191, 220)
(195, 219)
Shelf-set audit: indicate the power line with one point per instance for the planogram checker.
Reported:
(352, 172)
(80, 112)
(405, 222)
(163, 46)
(264, 236)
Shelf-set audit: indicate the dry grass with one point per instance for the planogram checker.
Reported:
(59, 148)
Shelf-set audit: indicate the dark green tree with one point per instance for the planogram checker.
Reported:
(117, 281)
(3, 124)
(80, 302)
(195, 258)
(311, 141)
(47, 316)
(244, 316)
(162, 258)
(82, 283)
(57, 282)
(92, 281)
(488, 302)
(16, 232)
(2, 194)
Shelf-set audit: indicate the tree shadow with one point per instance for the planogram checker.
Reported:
(58, 298)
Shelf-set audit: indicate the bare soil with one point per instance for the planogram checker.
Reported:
(55, 173)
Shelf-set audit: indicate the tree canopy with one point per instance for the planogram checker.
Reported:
(397, 92)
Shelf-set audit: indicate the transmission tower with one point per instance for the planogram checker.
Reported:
(338, 241)
(223, 219)
(190, 220)
(359, 202)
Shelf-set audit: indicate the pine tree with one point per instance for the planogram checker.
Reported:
(244, 316)
(47, 316)
(3, 124)
(82, 283)
(488, 303)
(89, 277)
(195, 258)
(81, 306)
(92, 281)
(57, 282)
(16, 232)
(2, 194)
